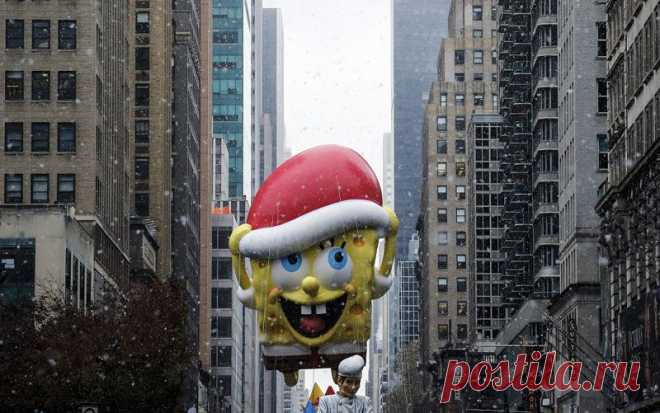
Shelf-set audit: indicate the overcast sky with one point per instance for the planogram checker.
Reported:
(337, 81)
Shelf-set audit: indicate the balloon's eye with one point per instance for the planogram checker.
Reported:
(292, 262)
(337, 258)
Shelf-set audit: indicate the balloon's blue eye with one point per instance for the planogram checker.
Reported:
(337, 258)
(292, 262)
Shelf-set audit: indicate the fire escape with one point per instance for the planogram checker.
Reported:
(515, 53)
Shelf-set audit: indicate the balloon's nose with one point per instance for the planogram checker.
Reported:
(310, 285)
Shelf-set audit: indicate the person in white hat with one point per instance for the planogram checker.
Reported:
(349, 374)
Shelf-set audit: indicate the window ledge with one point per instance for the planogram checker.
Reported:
(64, 153)
(40, 153)
(601, 113)
(14, 153)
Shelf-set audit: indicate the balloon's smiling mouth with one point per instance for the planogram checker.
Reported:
(313, 321)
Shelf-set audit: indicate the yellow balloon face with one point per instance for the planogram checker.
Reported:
(318, 296)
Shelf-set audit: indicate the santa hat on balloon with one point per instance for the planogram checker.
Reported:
(311, 197)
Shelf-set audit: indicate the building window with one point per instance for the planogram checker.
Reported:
(221, 268)
(443, 308)
(442, 123)
(441, 146)
(141, 168)
(478, 76)
(460, 168)
(39, 189)
(460, 215)
(460, 145)
(461, 284)
(442, 192)
(459, 77)
(460, 99)
(602, 95)
(443, 100)
(443, 238)
(14, 137)
(602, 152)
(495, 102)
(66, 34)
(40, 137)
(459, 57)
(220, 356)
(142, 94)
(493, 77)
(41, 34)
(493, 13)
(478, 99)
(142, 204)
(443, 332)
(142, 22)
(442, 215)
(220, 238)
(443, 285)
(460, 123)
(478, 57)
(220, 297)
(66, 85)
(141, 58)
(66, 137)
(14, 85)
(40, 85)
(461, 239)
(13, 188)
(462, 331)
(493, 56)
(461, 262)
(461, 308)
(477, 13)
(221, 327)
(460, 192)
(225, 37)
(14, 34)
(442, 262)
(601, 28)
(442, 168)
(142, 131)
(477, 33)
(66, 188)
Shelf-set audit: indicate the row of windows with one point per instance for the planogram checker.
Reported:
(443, 284)
(78, 282)
(39, 137)
(41, 34)
(221, 327)
(642, 55)
(459, 146)
(40, 188)
(221, 298)
(220, 356)
(444, 332)
(461, 308)
(220, 238)
(442, 168)
(15, 85)
(459, 99)
(221, 268)
(443, 191)
(478, 76)
(477, 56)
(461, 238)
(443, 262)
(460, 215)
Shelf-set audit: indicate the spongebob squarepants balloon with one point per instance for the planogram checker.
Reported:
(305, 260)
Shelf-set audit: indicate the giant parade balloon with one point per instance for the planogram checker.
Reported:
(306, 258)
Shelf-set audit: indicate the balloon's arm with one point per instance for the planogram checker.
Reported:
(383, 278)
(246, 293)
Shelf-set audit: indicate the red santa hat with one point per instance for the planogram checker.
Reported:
(311, 197)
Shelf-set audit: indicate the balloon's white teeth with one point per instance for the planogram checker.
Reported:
(305, 310)
(320, 309)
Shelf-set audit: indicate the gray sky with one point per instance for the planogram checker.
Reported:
(337, 82)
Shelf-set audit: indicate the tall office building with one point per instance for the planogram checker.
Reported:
(232, 90)
(150, 134)
(65, 159)
(467, 69)
(628, 205)
(272, 150)
(417, 26)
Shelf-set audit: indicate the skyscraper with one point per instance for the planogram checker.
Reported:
(417, 26)
(65, 163)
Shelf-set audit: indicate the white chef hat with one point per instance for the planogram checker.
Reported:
(351, 367)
